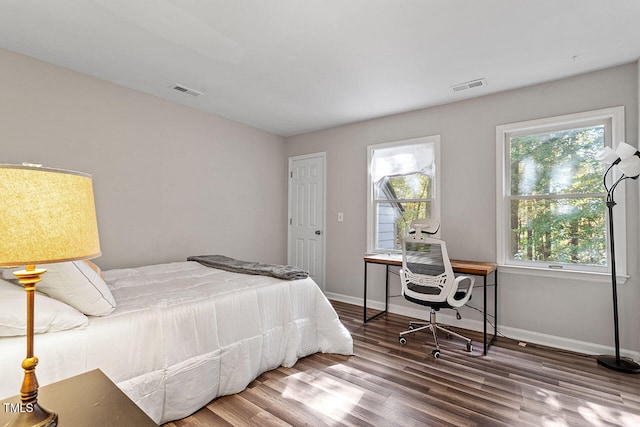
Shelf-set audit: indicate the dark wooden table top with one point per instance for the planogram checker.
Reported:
(89, 399)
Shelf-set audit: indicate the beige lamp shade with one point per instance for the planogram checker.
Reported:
(46, 215)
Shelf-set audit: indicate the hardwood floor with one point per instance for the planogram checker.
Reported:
(386, 384)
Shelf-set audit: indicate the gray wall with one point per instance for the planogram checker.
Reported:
(553, 311)
(169, 181)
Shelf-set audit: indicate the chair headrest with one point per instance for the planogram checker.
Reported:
(424, 225)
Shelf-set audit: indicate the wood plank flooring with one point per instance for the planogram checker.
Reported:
(386, 384)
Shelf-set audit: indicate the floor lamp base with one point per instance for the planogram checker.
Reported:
(625, 365)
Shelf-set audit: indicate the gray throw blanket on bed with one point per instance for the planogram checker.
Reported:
(285, 272)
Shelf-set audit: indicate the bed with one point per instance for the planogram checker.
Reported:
(172, 336)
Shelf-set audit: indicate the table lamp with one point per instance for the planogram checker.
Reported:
(46, 216)
(627, 159)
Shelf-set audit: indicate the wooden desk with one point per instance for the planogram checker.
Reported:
(89, 399)
(475, 268)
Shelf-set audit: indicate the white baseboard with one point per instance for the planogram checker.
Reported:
(522, 335)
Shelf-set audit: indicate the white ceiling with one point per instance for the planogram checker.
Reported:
(293, 66)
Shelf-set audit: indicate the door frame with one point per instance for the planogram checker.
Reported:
(323, 236)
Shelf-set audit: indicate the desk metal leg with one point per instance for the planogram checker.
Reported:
(386, 295)
(386, 290)
(495, 307)
(485, 348)
(364, 312)
(495, 312)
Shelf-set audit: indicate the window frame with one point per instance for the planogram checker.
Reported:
(371, 202)
(613, 120)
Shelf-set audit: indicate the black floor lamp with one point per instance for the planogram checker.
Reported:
(627, 158)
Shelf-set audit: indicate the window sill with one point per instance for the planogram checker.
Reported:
(590, 276)
(384, 251)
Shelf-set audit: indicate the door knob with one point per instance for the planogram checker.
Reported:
(318, 232)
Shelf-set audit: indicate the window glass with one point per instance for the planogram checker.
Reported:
(565, 230)
(394, 220)
(561, 162)
(552, 213)
(402, 178)
(564, 221)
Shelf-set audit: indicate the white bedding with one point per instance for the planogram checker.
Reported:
(183, 334)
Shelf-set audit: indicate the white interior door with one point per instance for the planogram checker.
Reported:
(307, 214)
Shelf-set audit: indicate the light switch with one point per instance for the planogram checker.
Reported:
(340, 217)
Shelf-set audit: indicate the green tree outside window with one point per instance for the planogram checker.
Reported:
(557, 207)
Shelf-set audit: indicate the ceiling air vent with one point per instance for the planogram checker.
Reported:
(184, 89)
(469, 85)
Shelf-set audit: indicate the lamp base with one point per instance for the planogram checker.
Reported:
(34, 415)
(625, 365)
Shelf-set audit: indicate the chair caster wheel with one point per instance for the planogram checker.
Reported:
(403, 340)
(436, 354)
(411, 327)
(469, 347)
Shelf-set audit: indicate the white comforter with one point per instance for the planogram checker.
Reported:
(183, 334)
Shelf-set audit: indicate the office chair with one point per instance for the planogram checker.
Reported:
(427, 279)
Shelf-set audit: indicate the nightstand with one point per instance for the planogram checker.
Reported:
(89, 399)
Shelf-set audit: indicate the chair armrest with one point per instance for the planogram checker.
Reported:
(457, 287)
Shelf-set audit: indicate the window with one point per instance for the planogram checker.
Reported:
(551, 201)
(403, 186)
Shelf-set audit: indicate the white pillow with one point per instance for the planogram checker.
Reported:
(76, 283)
(49, 315)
